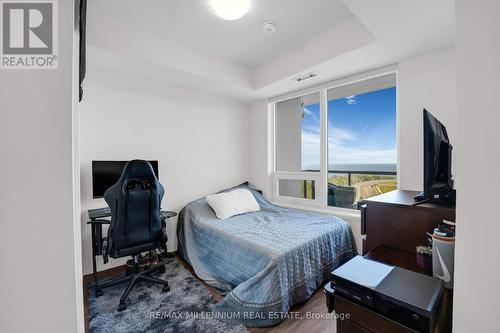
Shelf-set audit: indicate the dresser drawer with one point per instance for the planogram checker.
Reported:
(364, 320)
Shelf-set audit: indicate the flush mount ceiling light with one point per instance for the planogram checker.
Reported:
(230, 9)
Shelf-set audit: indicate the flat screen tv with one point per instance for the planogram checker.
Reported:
(106, 173)
(438, 182)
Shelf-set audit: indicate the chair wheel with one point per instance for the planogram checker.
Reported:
(166, 288)
(122, 307)
(162, 269)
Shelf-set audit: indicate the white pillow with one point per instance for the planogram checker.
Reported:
(232, 203)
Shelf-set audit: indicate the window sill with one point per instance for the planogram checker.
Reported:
(343, 213)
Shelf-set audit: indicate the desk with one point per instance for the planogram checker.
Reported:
(97, 240)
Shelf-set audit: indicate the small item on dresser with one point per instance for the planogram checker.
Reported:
(424, 258)
(443, 252)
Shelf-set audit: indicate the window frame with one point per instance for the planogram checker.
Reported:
(320, 202)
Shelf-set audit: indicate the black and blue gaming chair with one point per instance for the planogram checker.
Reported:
(136, 224)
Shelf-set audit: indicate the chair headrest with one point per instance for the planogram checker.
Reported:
(137, 169)
(133, 169)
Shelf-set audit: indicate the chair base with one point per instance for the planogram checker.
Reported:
(132, 279)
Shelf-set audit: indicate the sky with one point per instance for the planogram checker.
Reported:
(361, 130)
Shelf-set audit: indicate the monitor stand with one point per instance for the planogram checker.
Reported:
(420, 199)
(447, 199)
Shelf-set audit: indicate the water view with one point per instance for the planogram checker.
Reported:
(361, 146)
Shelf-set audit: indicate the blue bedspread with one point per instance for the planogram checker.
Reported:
(266, 261)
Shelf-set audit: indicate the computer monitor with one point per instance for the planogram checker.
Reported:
(106, 173)
(438, 183)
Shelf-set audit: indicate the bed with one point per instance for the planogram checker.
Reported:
(264, 261)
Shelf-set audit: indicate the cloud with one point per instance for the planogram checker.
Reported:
(351, 99)
(342, 155)
(307, 111)
(310, 142)
(310, 149)
(311, 119)
(338, 136)
(338, 153)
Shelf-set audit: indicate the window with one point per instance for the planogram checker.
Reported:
(298, 134)
(297, 188)
(361, 144)
(337, 152)
(298, 138)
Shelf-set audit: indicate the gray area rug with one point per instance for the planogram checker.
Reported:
(186, 308)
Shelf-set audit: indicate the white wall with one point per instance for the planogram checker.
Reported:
(425, 81)
(200, 141)
(40, 275)
(260, 147)
(477, 293)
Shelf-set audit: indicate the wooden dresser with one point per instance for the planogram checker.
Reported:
(392, 227)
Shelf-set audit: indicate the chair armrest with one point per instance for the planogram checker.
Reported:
(99, 221)
(166, 214)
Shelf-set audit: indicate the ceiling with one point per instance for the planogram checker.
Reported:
(243, 41)
(180, 42)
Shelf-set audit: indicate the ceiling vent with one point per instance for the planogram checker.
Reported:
(305, 77)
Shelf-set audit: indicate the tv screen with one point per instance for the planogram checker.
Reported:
(106, 173)
(438, 183)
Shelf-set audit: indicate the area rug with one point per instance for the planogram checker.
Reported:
(186, 308)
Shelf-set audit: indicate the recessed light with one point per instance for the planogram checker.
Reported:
(230, 9)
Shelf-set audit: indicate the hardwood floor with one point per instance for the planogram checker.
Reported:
(316, 306)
